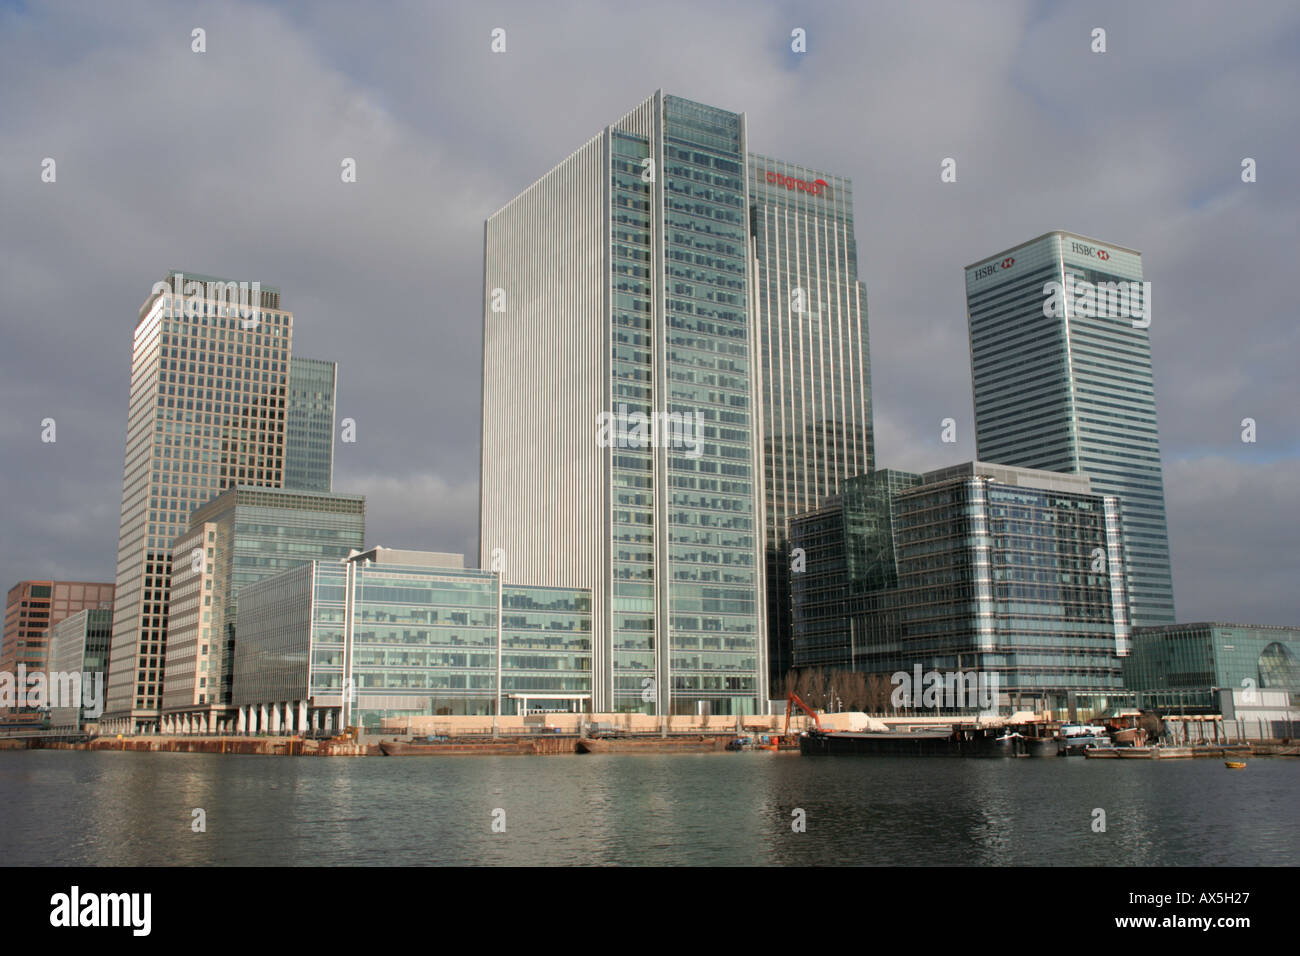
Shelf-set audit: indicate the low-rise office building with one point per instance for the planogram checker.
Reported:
(976, 568)
(243, 535)
(79, 648)
(33, 607)
(405, 633)
(1248, 673)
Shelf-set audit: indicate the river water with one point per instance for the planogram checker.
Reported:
(132, 809)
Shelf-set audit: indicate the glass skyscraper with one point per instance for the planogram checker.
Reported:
(618, 292)
(815, 385)
(1061, 370)
(665, 272)
(309, 425)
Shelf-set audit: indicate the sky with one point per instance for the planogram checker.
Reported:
(227, 162)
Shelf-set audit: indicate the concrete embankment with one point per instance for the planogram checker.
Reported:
(283, 746)
(478, 744)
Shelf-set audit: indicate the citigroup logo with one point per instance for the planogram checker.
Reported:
(815, 188)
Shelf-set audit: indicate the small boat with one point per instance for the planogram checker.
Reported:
(1077, 745)
(1235, 764)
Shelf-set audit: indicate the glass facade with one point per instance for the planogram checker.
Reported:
(617, 288)
(1207, 656)
(1073, 391)
(978, 567)
(816, 369)
(309, 425)
(711, 517)
(414, 641)
(632, 385)
(683, 518)
(79, 645)
(244, 535)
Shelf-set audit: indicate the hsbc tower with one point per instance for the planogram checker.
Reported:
(1062, 380)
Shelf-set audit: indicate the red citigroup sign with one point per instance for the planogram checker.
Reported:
(816, 187)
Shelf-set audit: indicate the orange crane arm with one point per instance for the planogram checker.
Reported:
(795, 699)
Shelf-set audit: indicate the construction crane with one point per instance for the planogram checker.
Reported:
(789, 705)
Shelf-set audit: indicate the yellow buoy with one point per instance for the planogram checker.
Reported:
(1235, 764)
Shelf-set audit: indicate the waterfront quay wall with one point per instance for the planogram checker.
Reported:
(285, 746)
(458, 726)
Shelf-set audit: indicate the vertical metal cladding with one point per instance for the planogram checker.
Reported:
(815, 369)
(545, 333)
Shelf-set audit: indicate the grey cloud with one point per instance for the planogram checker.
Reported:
(228, 163)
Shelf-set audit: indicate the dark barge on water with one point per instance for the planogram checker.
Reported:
(960, 741)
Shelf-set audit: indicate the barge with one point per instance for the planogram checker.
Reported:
(651, 744)
(962, 741)
(507, 746)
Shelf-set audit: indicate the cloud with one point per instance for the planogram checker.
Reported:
(228, 163)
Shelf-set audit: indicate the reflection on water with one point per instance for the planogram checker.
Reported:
(121, 809)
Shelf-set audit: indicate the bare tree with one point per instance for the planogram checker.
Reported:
(879, 693)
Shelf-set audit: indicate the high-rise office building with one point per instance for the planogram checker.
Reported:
(1061, 372)
(309, 425)
(620, 449)
(209, 381)
(664, 272)
(815, 381)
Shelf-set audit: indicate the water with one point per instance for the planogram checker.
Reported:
(132, 809)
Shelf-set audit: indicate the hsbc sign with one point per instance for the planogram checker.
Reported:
(816, 187)
(1083, 249)
(984, 272)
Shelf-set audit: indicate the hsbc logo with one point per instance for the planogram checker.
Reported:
(1086, 250)
(983, 272)
(816, 187)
